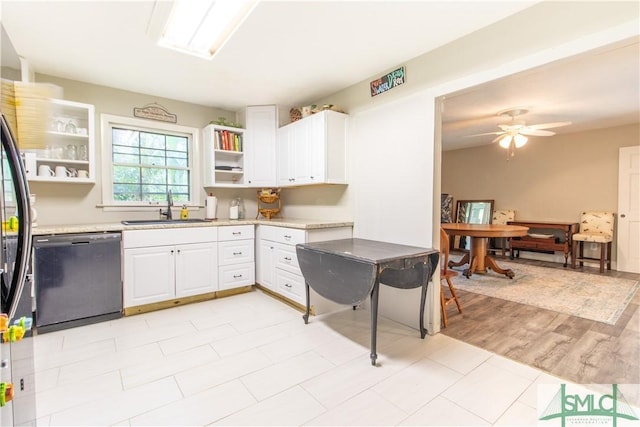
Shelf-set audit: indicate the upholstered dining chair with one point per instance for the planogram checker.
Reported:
(596, 227)
(501, 216)
(446, 275)
(446, 208)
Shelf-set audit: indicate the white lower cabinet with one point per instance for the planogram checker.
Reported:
(236, 266)
(165, 264)
(277, 263)
(160, 265)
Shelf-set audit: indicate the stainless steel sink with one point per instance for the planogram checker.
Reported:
(161, 221)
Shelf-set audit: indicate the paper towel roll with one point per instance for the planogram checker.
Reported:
(211, 206)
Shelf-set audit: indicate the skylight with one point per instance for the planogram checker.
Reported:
(201, 27)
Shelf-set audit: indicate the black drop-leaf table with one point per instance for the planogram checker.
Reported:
(347, 271)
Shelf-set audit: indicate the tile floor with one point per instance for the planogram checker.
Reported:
(250, 360)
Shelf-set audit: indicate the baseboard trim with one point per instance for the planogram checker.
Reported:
(146, 308)
(301, 308)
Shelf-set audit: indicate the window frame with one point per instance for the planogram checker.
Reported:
(109, 121)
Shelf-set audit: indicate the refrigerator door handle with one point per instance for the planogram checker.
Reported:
(23, 252)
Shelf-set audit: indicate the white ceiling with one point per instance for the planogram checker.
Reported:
(296, 52)
(285, 52)
(598, 89)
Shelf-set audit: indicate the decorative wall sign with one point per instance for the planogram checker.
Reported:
(155, 112)
(388, 81)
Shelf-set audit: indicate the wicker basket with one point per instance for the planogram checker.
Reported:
(268, 198)
(269, 212)
(295, 114)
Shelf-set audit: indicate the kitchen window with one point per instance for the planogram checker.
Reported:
(145, 159)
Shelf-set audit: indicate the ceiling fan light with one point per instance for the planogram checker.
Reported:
(505, 141)
(520, 140)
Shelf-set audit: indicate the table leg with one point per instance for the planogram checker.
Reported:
(567, 246)
(491, 263)
(468, 272)
(374, 321)
(425, 284)
(479, 252)
(305, 316)
(465, 259)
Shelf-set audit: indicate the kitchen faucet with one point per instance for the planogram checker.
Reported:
(167, 213)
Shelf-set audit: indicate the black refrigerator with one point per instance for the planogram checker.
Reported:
(16, 357)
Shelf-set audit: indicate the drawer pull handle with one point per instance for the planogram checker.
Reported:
(287, 258)
(287, 237)
(237, 276)
(288, 285)
(237, 233)
(237, 253)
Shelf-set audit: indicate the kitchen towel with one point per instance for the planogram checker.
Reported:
(211, 206)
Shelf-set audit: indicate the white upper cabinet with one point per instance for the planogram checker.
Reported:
(69, 155)
(224, 159)
(260, 152)
(313, 150)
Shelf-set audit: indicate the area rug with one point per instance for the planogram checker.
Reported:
(590, 296)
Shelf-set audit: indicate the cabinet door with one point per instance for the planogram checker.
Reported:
(265, 264)
(149, 275)
(300, 141)
(196, 269)
(294, 154)
(260, 147)
(285, 156)
(316, 149)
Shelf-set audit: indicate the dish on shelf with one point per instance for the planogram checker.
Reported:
(540, 236)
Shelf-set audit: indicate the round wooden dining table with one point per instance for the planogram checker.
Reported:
(478, 259)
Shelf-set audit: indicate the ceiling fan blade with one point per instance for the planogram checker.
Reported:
(549, 125)
(483, 134)
(536, 132)
(498, 138)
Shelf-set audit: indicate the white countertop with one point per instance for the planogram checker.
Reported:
(301, 223)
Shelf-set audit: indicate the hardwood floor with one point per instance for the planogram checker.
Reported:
(576, 349)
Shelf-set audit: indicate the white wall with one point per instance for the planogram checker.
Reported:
(78, 203)
(392, 183)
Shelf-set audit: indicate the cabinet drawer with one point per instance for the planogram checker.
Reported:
(289, 236)
(525, 244)
(234, 276)
(235, 252)
(287, 259)
(541, 244)
(236, 232)
(290, 285)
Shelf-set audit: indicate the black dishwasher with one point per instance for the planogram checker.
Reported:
(77, 279)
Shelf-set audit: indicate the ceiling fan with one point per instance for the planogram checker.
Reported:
(514, 135)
